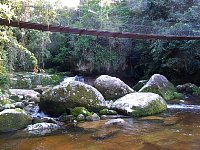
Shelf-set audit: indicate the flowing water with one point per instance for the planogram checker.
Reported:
(177, 128)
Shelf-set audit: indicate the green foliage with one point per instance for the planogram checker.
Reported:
(25, 49)
(172, 58)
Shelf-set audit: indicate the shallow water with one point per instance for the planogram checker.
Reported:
(177, 128)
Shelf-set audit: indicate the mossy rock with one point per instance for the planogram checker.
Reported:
(160, 85)
(140, 104)
(70, 95)
(189, 88)
(152, 108)
(13, 119)
(80, 110)
(93, 117)
(107, 112)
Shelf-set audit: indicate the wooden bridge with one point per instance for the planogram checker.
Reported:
(69, 30)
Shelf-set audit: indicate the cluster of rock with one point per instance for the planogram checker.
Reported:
(77, 101)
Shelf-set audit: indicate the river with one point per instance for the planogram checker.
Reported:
(177, 128)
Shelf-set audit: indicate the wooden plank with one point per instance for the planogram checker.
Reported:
(68, 30)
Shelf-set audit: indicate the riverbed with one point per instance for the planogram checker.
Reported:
(177, 128)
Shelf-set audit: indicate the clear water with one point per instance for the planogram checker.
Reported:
(177, 128)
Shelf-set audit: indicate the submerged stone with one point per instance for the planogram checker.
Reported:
(152, 118)
(13, 119)
(112, 88)
(140, 104)
(118, 121)
(160, 85)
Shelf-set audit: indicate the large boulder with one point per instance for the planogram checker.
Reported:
(140, 104)
(13, 119)
(159, 84)
(58, 99)
(112, 88)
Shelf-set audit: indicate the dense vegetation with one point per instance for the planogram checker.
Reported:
(178, 60)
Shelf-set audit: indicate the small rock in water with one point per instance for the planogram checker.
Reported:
(66, 118)
(19, 105)
(93, 117)
(80, 117)
(118, 121)
(42, 128)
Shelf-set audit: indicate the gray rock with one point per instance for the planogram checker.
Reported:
(140, 104)
(118, 121)
(66, 118)
(189, 88)
(70, 95)
(41, 89)
(93, 117)
(30, 95)
(13, 119)
(104, 117)
(19, 105)
(42, 128)
(80, 117)
(112, 88)
(160, 85)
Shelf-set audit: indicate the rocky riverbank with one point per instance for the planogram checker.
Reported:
(47, 108)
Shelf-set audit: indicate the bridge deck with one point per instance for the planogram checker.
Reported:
(69, 30)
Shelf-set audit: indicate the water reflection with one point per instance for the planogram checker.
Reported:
(179, 127)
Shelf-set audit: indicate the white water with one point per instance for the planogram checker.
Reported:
(183, 106)
(75, 78)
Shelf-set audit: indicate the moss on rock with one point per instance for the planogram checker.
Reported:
(107, 112)
(160, 85)
(153, 108)
(13, 119)
(189, 88)
(72, 94)
(140, 104)
(80, 110)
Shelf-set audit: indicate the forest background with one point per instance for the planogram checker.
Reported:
(179, 61)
